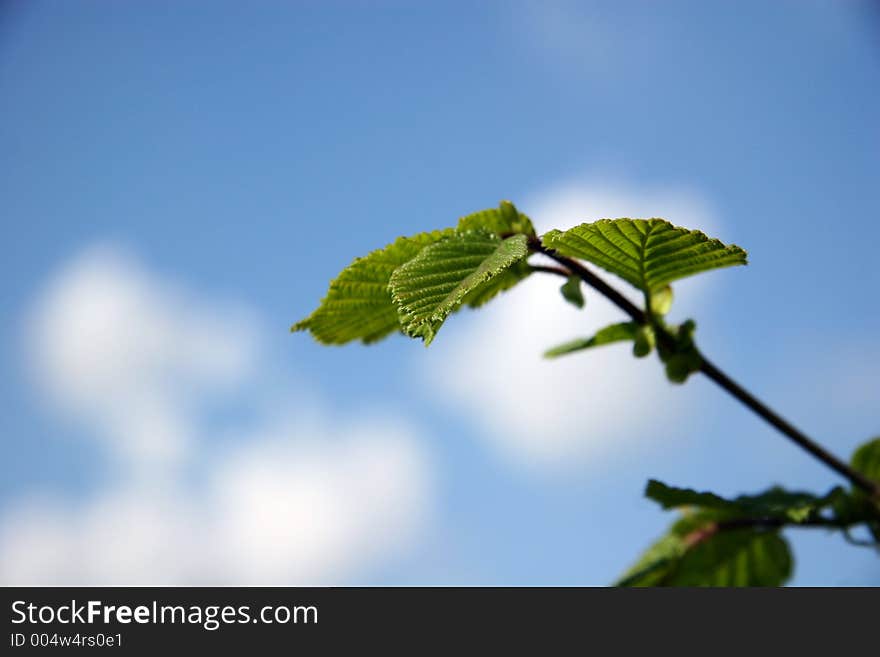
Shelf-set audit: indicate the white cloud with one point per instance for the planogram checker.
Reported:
(356, 498)
(560, 413)
(289, 508)
(129, 354)
(133, 358)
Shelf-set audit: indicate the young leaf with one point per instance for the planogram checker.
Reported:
(503, 281)
(661, 300)
(503, 221)
(434, 283)
(358, 305)
(866, 459)
(681, 358)
(696, 552)
(671, 497)
(571, 292)
(656, 563)
(607, 335)
(741, 557)
(791, 506)
(648, 253)
(644, 342)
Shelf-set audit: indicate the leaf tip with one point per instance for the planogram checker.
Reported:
(650, 486)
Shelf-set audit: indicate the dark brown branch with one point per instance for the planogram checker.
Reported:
(559, 271)
(592, 280)
(716, 375)
(798, 437)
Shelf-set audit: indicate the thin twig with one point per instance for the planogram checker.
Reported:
(797, 436)
(592, 280)
(772, 522)
(701, 534)
(547, 269)
(715, 374)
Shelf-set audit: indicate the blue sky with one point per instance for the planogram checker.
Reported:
(210, 166)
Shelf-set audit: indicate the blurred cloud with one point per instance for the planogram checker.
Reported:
(131, 354)
(299, 499)
(289, 508)
(561, 413)
(357, 499)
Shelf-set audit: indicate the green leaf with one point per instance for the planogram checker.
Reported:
(648, 253)
(502, 221)
(680, 358)
(656, 563)
(358, 305)
(503, 281)
(661, 300)
(866, 459)
(644, 342)
(434, 283)
(671, 497)
(791, 506)
(858, 505)
(571, 292)
(794, 506)
(660, 559)
(740, 557)
(607, 335)
(696, 552)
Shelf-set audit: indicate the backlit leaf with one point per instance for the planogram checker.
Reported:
(434, 283)
(358, 305)
(609, 334)
(866, 459)
(503, 221)
(648, 253)
(571, 292)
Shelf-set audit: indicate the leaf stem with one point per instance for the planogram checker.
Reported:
(711, 371)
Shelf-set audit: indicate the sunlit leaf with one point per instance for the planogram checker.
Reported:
(661, 300)
(613, 333)
(358, 305)
(648, 253)
(434, 283)
(503, 221)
